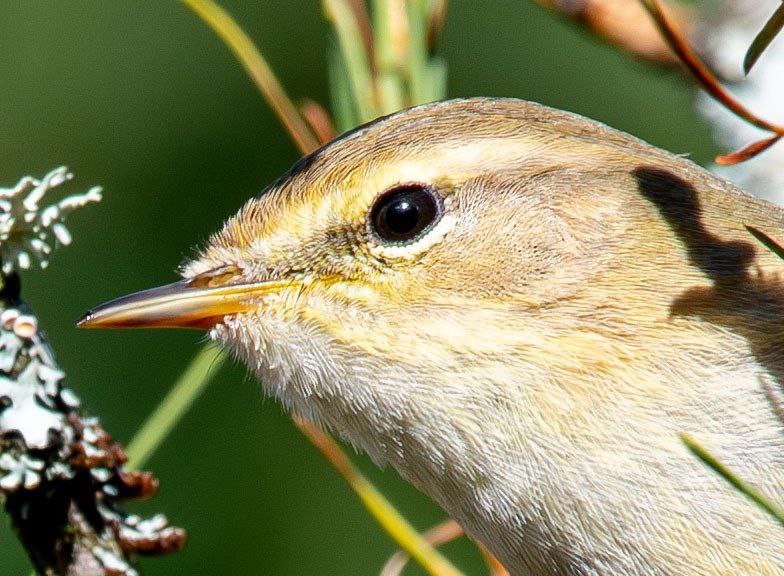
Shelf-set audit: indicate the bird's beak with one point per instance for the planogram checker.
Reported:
(199, 302)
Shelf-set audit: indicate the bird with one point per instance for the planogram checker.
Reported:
(522, 311)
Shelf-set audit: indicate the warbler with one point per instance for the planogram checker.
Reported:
(522, 311)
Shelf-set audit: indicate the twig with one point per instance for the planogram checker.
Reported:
(385, 514)
(256, 67)
(437, 536)
(620, 22)
(178, 401)
(318, 120)
(62, 477)
(711, 85)
(748, 152)
(701, 72)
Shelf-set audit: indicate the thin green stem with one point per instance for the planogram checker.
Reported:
(767, 241)
(750, 492)
(435, 86)
(417, 52)
(343, 109)
(178, 401)
(391, 93)
(257, 68)
(406, 536)
(355, 56)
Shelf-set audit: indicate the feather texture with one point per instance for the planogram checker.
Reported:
(531, 365)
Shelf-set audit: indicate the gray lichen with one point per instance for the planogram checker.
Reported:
(28, 232)
(20, 472)
(62, 477)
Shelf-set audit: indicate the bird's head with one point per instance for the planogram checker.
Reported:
(401, 267)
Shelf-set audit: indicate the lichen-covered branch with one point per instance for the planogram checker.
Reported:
(62, 478)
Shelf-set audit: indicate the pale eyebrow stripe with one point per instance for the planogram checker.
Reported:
(453, 162)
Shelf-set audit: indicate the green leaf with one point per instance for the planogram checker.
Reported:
(713, 463)
(435, 87)
(355, 56)
(178, 401)
(343, 109)
(417, 51)
(391, 93)
(771, 29)
(767, 241)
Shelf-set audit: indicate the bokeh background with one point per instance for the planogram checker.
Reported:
(143, 99)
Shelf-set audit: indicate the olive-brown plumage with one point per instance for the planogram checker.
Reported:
(520, 310)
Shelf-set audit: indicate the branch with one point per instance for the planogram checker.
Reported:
(62, 477)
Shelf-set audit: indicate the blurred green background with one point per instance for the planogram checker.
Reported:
(143, 99)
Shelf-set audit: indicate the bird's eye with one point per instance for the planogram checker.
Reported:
(404, 213)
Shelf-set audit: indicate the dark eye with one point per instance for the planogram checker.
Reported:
(405, 212)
